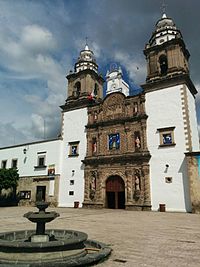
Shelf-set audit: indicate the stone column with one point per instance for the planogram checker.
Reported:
(144, 135)
(87, 185)
(147, 193)
(128, 174)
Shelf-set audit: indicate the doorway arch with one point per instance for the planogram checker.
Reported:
(115, 192)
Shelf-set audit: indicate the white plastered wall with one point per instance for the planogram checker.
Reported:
(27, 160)
(164, 109)
(73, 130)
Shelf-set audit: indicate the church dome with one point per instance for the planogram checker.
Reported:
(165, 22)
(164, 32)
(86, 60)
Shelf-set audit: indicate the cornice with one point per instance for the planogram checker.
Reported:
(124, 120)
(33, 143)
(74, 75)
(165, 82)
(189, 154)
(78, 104)
(132, 158)
(166, 45)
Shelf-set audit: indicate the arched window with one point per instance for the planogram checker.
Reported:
(163, 64)
(96, 89)
(77, 89)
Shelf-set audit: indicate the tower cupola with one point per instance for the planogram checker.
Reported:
(165, 31)
(85, 84)
(165, 52)
(86, 60)
(115, 82)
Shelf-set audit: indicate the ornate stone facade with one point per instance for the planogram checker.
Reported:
(117, 149)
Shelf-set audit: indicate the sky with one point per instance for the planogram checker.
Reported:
(40, 41)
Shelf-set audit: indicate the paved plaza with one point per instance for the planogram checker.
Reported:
(137, 238)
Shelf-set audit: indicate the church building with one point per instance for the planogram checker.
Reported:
(135, 151)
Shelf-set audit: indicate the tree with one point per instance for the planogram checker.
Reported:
(8, 179)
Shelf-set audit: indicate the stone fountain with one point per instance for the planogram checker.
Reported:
(41, 218)
(49, 248)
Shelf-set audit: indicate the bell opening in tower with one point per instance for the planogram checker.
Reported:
(163, 64)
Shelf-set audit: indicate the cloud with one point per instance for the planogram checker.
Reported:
(135, 68)
(37, 39)
(10, 135)
(30, 58)
(43, 128)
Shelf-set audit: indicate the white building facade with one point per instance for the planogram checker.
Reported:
(55, 170)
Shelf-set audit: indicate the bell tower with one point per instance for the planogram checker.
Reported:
(165, 52)
(85, 88)
(84, 81)
(172, 123)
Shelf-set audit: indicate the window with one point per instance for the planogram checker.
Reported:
(167, 136)
(25, 194)
(73, 149)
(163, 64)
(114, 141)
(71, 182)
(95, 90)
(77, 89)
(14, 163)
(168, 180)
(3, 164)
(71, 193)
(41, 161)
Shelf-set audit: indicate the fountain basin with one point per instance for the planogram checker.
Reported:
(39, 217)
(19, 241)
(70, 248)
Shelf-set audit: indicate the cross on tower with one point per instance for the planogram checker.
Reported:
(86, 40)
(163, 6)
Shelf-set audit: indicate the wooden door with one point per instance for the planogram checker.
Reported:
(115, 192)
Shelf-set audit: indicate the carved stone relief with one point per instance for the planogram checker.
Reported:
(113, 106)
(137, 185)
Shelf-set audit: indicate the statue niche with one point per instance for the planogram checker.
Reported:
(93, 184)
(137, 140)
(94, 145)
(137, 185)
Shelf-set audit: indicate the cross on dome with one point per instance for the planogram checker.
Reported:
(86, 44)
(163, 8)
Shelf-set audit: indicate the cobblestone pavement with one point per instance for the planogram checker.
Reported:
(137, 238)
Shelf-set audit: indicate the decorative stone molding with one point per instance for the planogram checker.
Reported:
(186, 119)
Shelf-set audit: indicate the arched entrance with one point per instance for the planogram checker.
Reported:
(115, 193)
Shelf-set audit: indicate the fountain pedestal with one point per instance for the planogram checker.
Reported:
(39, 238)
(41, 218)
